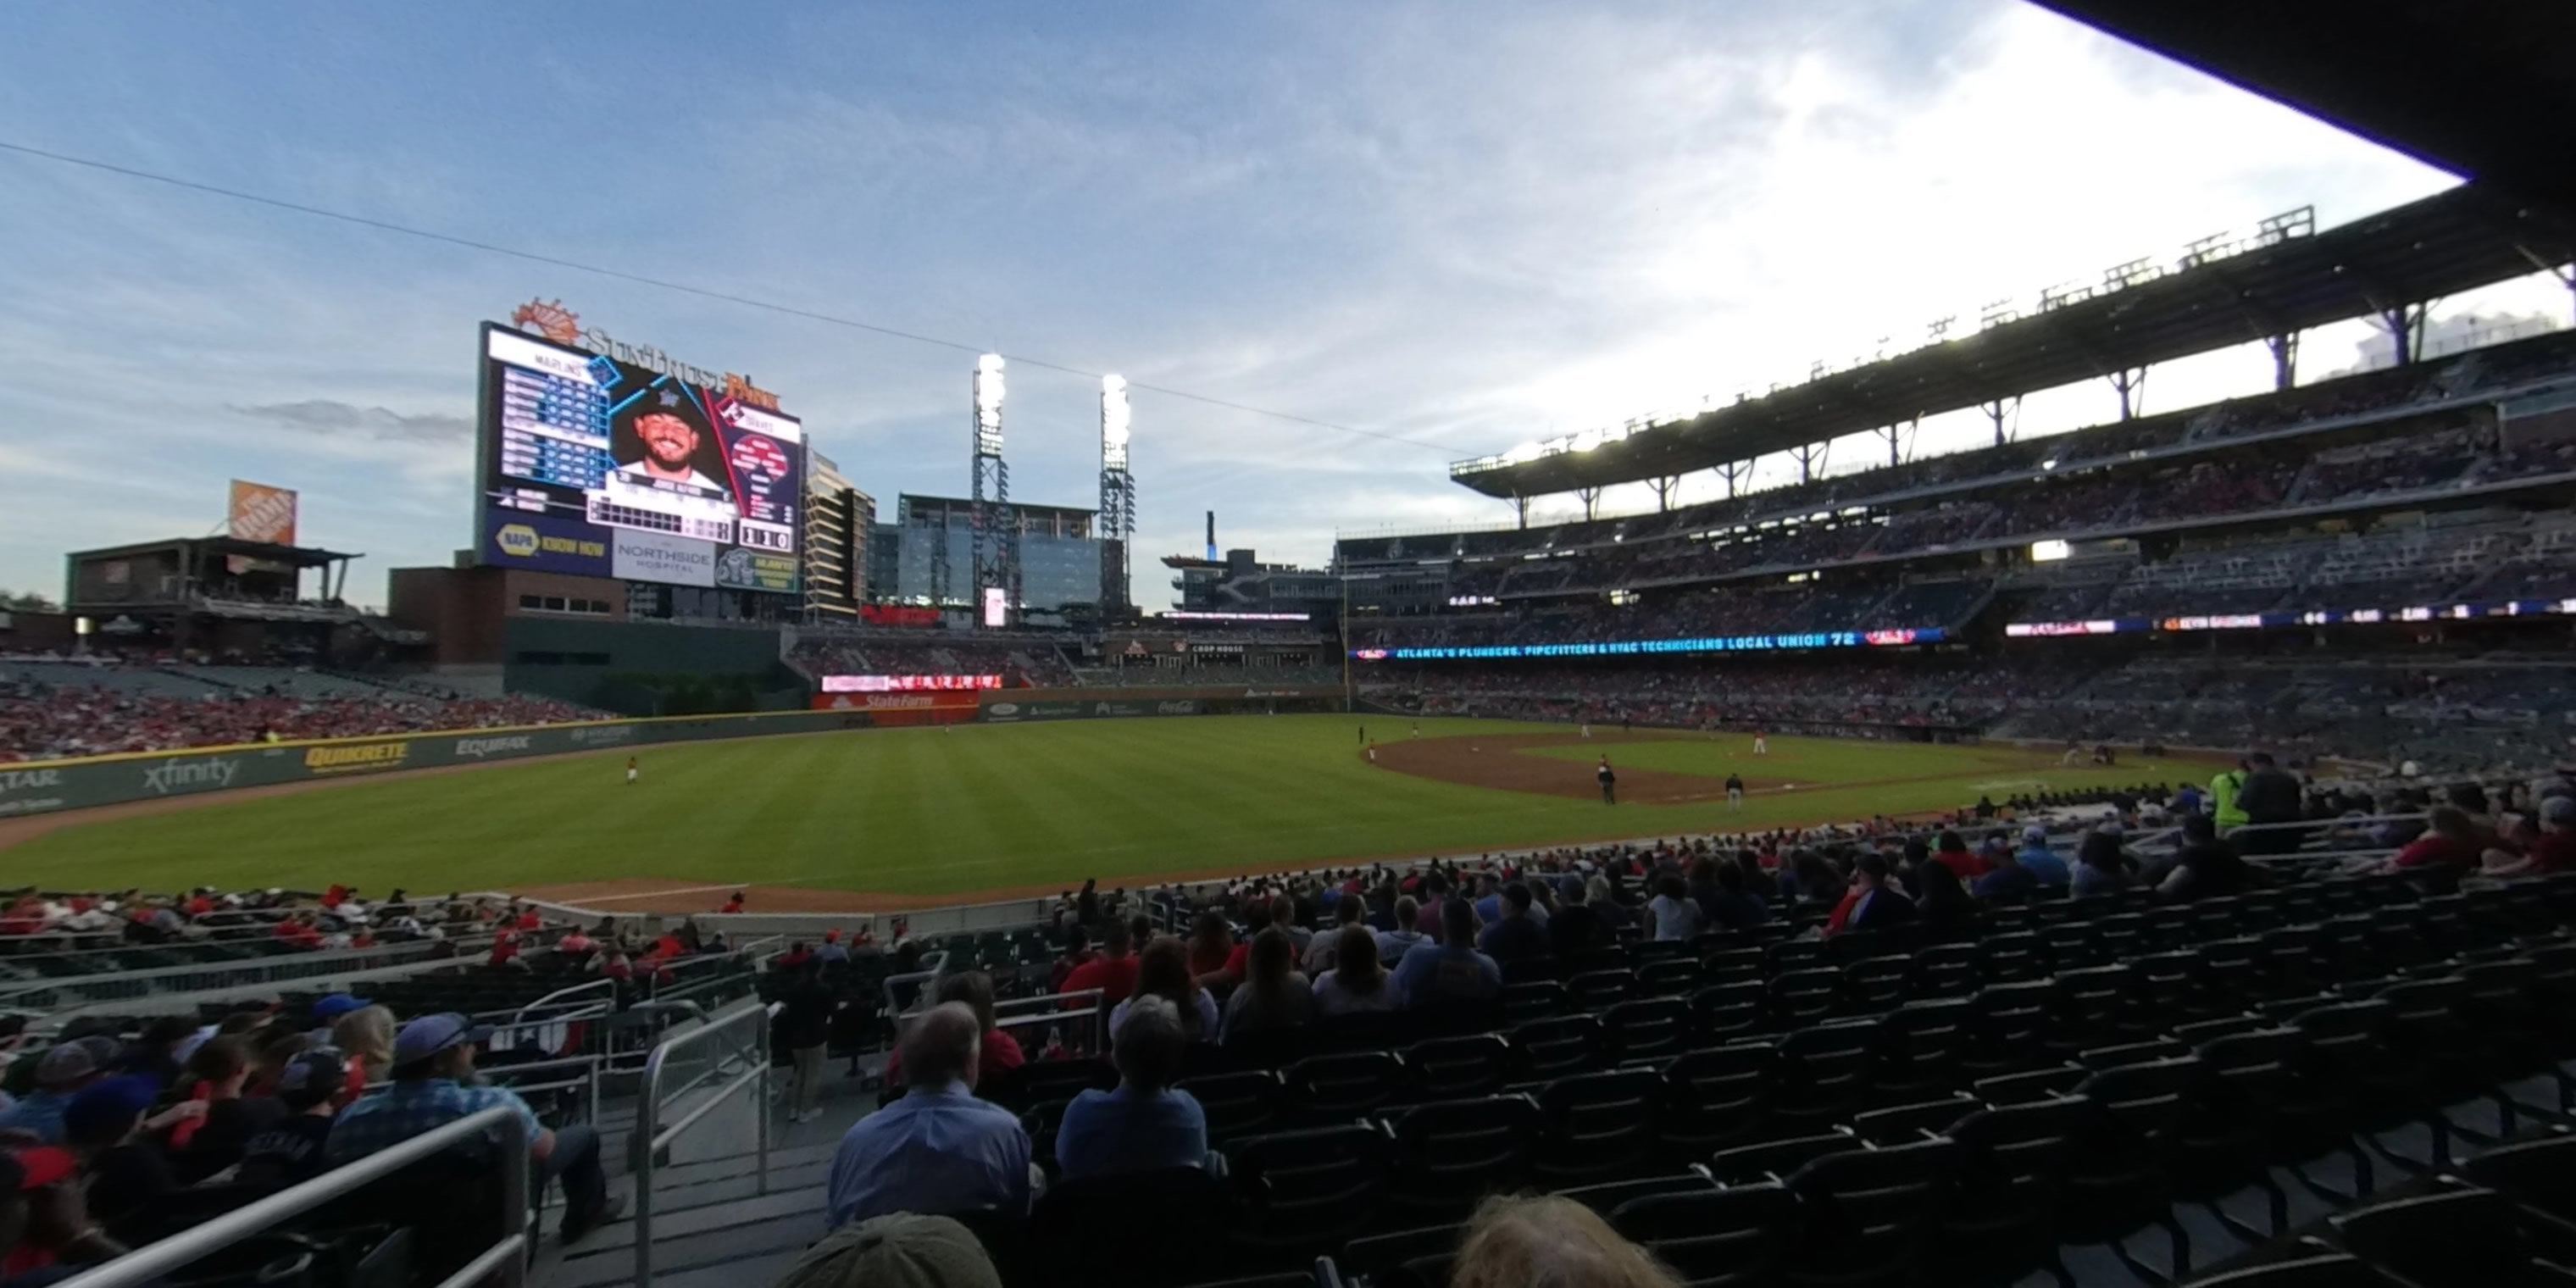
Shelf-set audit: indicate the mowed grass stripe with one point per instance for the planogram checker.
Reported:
(925, 812)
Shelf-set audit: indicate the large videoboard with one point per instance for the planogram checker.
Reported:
(598, 467)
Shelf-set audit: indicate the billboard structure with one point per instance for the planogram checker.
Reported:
(626, 464)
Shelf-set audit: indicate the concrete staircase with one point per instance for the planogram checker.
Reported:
(712, 1227)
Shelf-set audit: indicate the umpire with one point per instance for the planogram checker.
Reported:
(1609, 782)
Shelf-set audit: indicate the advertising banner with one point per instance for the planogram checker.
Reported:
(259, 512)
(740, 569)
(546, 544)
(109, 780)
(883, 702)
(651, 556)
(1017, 712)
(1174, 707)
(907, 683)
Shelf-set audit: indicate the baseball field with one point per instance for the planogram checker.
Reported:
(893, 818)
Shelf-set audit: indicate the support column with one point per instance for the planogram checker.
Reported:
(1520, 508)
(2285, 358)
(1996, 411)
(2406, 327)
(1895, 434)
(2131, 382)
(1807, 456)
(1591, 498)
(1664, 489)
(1733, 472)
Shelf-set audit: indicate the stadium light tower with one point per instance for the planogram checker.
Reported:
(997, 530)
(1117, 520)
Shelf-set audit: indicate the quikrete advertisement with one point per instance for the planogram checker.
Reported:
(364, 759)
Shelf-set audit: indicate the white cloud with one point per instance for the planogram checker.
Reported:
(1468, 234)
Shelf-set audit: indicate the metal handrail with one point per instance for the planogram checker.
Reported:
(507, 1256)
(651, 1138)
(603, 984)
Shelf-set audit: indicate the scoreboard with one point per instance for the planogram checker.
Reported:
(597, 466)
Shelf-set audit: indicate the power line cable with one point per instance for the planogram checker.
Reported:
(640, 279)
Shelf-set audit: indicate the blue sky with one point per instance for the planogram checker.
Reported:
(1465, 226)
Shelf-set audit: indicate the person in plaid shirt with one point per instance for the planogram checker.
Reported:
(433, 1084)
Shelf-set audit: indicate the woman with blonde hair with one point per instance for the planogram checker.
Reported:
(1549, 1242)
(366, 1036)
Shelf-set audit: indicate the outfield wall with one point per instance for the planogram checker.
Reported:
(50, 786)
(1022, 706)
(56, 785)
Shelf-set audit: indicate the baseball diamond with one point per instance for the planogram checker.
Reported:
(917, 816)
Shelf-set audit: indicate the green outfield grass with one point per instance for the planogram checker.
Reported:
(990, 807)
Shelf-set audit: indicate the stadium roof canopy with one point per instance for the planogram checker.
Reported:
(208, 547)
(2277, 284)
(2480, 90)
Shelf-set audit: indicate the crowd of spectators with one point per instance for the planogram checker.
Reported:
(1264, 957)
(50, 719)
(2093, 480)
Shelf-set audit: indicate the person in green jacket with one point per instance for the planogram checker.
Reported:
(2223, 791)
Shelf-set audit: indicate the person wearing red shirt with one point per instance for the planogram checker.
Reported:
(1113, 972)
(198, 905)
(1077, 952)
(733, 904)
(529, 920)
(2451, 842)
(505, 948)
(2552, 848)
(1952, 852)
(26, 918)
(1000, 1051)
(795, 957)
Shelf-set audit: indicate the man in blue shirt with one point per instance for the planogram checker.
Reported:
(939, 1150)
(2008, 882)
(434, 1084)
(1144, 1125)
(2041, 862)
(1452, 971)
(1517, 934)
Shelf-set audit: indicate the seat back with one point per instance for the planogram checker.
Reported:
(1557, 1047)
(1090, 1223)
(1474, 1064)
(1647, 1029)
(1743, 1235)
(1868, 1214)
(1238, 1104)
(2459, 1238)
(1345, 1085)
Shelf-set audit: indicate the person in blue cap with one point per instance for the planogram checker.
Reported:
(434, 1084)
(329, 1010)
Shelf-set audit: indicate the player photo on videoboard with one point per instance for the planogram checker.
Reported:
(663, 438)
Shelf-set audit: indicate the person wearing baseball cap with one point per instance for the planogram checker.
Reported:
(290, 1151)
(2042, 863)
(434, 1084)
(61, 1073)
